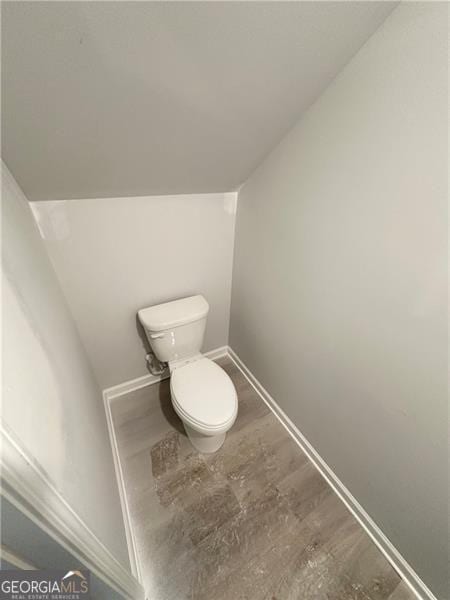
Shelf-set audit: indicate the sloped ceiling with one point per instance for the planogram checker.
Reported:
(105, 99)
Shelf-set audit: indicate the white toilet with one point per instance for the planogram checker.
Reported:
(203, 395)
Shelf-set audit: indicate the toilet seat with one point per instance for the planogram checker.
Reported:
(204, 396)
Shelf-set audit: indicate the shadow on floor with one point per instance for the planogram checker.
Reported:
(167, 407)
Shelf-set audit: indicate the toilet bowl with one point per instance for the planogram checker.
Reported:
(203, 395)
(205, 399)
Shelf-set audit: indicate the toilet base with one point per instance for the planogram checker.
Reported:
(206, 444)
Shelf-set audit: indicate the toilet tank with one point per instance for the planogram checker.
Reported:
(175, 329)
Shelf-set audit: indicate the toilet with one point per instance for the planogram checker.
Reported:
(203, 395)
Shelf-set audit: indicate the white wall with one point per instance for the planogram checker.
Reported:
(339, 301)
(51, 402)
(114, 256)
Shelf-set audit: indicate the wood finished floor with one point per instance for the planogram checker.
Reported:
(254, 521)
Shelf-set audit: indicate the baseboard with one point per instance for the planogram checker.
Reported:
(136, 384)
(14, 559)
(131, 540)
(26, 485)
(383, 543)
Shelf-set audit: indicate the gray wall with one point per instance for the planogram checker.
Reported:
(51, 402)
(38, 548)
(339, 283)
(114, 256)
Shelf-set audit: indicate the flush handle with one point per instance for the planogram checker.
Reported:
(156, 336)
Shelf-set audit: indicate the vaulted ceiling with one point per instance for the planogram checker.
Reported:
(139, 98)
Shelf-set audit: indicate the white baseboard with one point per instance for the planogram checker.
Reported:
(131, 540)
(383, 543)
(136, 384)
(15, 560)
(28, 488)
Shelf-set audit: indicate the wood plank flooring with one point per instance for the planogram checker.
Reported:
(254, 521)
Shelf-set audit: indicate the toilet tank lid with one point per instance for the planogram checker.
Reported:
(173, 314)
